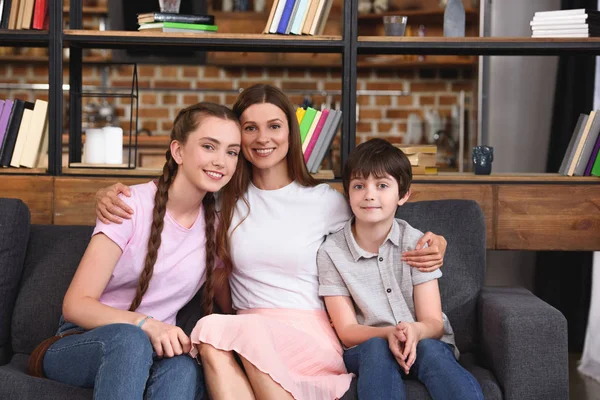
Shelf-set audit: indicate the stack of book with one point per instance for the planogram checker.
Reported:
(24, 14)
(167, 22)
(422, 158)
(317, 130)
(23, 133)
(298, 17)
(581, 157)
(577, 23)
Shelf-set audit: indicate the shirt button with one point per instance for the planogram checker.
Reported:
(380, 258)
(389, 290)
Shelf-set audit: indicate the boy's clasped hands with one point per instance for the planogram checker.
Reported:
(403, 341)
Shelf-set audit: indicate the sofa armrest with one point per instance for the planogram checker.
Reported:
(524, 343)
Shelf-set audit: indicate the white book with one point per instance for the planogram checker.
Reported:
(15, 160)
(299, 17)
(561, 35)
(564, 21)
(35, 136)
(277, 16)
(558, 27)
(576, 11)
(582, 17)
(561, 31)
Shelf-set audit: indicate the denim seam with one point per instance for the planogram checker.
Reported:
(100, 368)
(52, 349)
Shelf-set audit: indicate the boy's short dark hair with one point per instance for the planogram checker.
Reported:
(379, 158)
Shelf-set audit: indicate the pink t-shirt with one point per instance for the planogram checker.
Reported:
(179, 271)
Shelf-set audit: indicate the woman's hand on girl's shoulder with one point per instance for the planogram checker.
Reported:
(109, 207)
(167, 340)
(428, 254)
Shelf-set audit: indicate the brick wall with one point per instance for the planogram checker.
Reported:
(379, 115)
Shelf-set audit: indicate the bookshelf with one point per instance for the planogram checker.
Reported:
(347, 47)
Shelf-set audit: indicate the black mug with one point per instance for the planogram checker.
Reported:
(482, 159)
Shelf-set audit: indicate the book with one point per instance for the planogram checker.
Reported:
(307, 120)
(315, 21)
(171, 17)
(321, 139)
(15, 160)
(564, 13)
(300, 114)
(299, 17)
(596, 168)
(4, 117)
(313, 140)
(594, 118)
(581, 121)
(421, 170)
(311, 131)
(416, 148)
(35, 135)
(271, 16)
(310, 16)
(593, 157)
(285, 16)
(14, 122)
(423, 159)
(27, 14)
(14, 14)
(40, 14)
(588, 147)
(277, 16)
(324, 17)
(177, 25)
(323, 174)
(328, 140)
(5, 11)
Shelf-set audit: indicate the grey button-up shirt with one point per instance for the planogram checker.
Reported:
(381, 285)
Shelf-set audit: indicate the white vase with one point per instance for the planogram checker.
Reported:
(454, 19)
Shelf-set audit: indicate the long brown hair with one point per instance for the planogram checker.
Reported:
(186, 122)
(234, 191)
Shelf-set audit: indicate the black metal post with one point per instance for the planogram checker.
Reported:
(75, 85)
(349, 60)
(55, 82)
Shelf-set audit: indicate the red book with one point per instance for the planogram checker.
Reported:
(40, 14)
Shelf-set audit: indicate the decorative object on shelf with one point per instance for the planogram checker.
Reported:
(381, 6)
(259, 5)
(394, 25)
(227, 5)
(104, 137)
(482, 159)
(241, 5)
(169, 6)
(454, 19)
(364, 6)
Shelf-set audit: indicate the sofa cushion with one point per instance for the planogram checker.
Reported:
(14, 233)
(16, 384)
(462, 223)
(53, 254)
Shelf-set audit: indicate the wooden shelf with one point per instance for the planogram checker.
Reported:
(476, 45)
(23, 171)
(535, 178)
(204, 41)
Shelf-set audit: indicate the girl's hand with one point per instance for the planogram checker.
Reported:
(109, 208)
(408, 337)
(429, 258)
(168, 340)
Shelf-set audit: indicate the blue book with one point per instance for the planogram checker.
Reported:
(285, 16)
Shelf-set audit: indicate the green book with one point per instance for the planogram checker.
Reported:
(596, 167)
(177, 25)
(307, 122)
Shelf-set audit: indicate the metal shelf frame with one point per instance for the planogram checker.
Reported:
(350, 45)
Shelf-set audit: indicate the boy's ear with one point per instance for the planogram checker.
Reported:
(405, 198)
(176, 149)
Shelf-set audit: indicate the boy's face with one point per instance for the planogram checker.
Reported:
(374, 199)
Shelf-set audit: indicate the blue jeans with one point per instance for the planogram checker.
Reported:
(380, 376)
(118, 361)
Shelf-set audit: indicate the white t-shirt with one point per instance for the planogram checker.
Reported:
(274, 250)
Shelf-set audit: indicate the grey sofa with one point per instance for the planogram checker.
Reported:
(514, 344)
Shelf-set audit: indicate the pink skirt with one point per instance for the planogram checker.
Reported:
(297, 348)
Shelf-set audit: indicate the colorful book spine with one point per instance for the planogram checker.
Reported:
(285, 16)
(315, 136)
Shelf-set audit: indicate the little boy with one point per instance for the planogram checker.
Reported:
(387, 314)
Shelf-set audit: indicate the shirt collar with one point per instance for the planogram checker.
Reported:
(356, 251)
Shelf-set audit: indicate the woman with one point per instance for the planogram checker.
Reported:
(277, 216)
